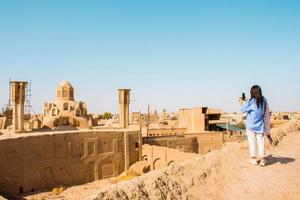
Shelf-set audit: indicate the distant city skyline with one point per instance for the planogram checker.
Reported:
(172, 54)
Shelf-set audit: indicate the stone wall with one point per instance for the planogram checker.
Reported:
(166, 132)
(181, 143)
(36, 161)
(210, 141)
(200, 143)
(160, 157)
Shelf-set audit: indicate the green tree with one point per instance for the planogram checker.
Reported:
(107, 115)
(6, 111)
(241, 125)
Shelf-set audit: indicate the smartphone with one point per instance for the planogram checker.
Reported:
(243, 96)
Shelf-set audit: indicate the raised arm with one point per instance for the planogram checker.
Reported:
(246, 107)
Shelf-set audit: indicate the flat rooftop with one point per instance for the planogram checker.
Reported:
(10, 134)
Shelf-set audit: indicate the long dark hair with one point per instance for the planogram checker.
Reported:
(256, 93)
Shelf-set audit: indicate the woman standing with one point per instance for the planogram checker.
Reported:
(257, 124)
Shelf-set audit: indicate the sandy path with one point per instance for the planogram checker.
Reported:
(237, 179)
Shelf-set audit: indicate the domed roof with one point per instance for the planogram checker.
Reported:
(65, 84)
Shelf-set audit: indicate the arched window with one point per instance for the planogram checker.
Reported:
(54, 112)
(64, 92)
(66, 106)
(78, 113)
(71, 93)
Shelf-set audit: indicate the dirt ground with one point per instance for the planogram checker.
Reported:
(238, 179)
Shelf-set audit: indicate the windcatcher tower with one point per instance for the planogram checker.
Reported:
(18, 99)
(124, 101)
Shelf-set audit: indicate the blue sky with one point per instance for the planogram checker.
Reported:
(172, 54)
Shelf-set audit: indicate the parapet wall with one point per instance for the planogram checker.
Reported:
(200, 143)
(184, 144)
(40, 161)
(166, 132)
(160, 157)
(210, 141)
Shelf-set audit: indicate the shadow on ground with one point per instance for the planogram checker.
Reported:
(273, 159)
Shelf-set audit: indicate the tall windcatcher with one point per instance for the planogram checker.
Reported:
(18, 99)
(124, 101)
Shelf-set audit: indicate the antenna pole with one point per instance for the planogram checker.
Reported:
(148, 122)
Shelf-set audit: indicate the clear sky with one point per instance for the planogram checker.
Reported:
(172, 54)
